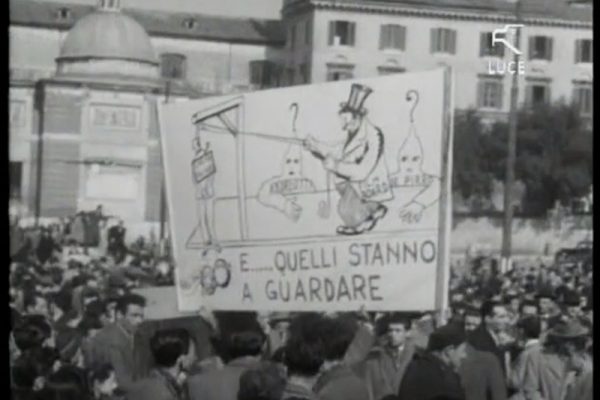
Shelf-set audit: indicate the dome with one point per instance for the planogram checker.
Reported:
(107, 35)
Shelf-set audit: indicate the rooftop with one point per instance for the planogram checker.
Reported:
(564, 10)
(63, 16)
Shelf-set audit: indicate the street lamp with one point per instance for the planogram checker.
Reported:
(511, 156)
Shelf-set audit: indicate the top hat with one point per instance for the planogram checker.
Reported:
(356, 100)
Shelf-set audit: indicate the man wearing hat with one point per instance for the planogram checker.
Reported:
(434, 372)
(357, 166)
(548, 308)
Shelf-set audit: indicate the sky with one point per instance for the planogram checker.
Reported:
(231, 8)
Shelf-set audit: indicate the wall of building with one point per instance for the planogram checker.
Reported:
(467, 63)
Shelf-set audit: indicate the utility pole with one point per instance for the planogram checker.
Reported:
(163, 200)
(40, 96)
(512, 150)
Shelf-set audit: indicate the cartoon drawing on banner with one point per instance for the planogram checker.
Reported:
(358, 164)
(416, 188)
(209, 278)
(203, 175)
(280, 192)
(331, 196)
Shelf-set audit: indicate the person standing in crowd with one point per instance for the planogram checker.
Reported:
(35, 303)
(103, 382)
(579, 381)
(116, 242)
(434, 372)
(244, 345)
(337, 381)
(113, 344)
(266, 382)
(303, 357)
(489, 335)
(549, 311)
(472, 319)
(544, 369)
(46, 246)
(169, 350)
(529, 308)
(528, 333)
(481, 375)
(385, 365)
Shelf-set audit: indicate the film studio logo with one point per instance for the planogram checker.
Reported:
(507, 37)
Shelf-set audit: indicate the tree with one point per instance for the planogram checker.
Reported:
(472, 177)
(554, 156)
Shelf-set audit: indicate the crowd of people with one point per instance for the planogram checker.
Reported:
(521, 334)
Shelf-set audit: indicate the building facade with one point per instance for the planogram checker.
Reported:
(85, 81)
(342, 39)
(84, 87)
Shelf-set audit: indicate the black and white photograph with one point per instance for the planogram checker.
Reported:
(300, 199)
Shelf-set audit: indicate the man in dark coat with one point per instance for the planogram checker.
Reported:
(114, 344)
(384, 367)
(46, 246)
(433, 373)
(488, 336)
(338, 381)
(116, 242)
(169, 351)
(482, 376)
(243, 343)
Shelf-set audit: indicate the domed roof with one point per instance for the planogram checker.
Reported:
(108, 35)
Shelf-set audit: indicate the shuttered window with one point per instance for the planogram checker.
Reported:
(583, 98)
(341, 33)
(540, 48)
(392, 37)
(486, 49)
(443, 40)
(583, 51)
(537, 93)
(490, 93)
(262, 73)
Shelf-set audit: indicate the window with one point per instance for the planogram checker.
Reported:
(583, 51)
(189, 23)
(262, 73)
(540, 48)
(583, 98)
(339, 72)
(490, 92)
(388, 70)
(304, 73)
(63, 13)
(16, 174)
(538, 93)
(443, 40)
(290, 76)
(307, 32)
(486, 49)
(293, 36)
(173, 66)
(341, 33)
(392, 37)
(17, 114)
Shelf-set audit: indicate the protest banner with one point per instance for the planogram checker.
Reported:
(331, 196)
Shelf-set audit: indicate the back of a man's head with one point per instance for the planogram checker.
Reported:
(240, 335)
(304, 349)
(530, 326)
(167, 347)
(266, 382)
(337, 333)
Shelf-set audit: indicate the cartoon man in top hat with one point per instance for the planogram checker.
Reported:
(357, 162)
